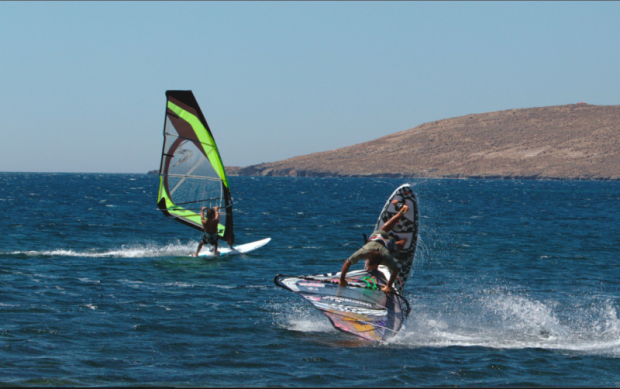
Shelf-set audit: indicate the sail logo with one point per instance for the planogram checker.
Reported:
(186, 153)
(345, 308)
(342, 299)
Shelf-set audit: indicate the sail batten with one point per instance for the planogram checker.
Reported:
(180, 137)
(196, 177)
(186, 176)
(191, 170)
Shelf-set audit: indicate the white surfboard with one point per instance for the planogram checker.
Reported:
(206, 251)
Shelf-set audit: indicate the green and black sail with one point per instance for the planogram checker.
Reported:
(191, 174)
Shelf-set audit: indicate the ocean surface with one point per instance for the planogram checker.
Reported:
(515, 283)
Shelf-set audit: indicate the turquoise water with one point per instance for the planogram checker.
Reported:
(516, 283)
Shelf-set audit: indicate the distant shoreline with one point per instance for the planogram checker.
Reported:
(455, 177)
(373, 176)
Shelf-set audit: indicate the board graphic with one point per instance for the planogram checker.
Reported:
(407, 228)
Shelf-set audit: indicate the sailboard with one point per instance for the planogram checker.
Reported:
(407, 228)
(362, 308)
(240, 249)
(191, 173)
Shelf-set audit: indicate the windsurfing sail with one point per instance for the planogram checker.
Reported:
(361, 308)
(191, 173)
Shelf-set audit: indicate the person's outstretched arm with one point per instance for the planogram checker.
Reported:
(343, 273)
(353, 259)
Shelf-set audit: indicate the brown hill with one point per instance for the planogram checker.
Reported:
(232, 170)
(577, 141)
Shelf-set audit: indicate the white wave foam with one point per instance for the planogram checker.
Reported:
(300, 318)
(515, 322)
(179, 284)
(144, 284)
(309, 324)
(126, 251)
(89, 280)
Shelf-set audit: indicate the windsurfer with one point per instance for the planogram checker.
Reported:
(379, 250)
(210, 225)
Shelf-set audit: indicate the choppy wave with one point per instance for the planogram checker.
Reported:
(515, 322)
(300, 317)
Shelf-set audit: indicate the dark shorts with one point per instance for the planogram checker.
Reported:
(210, 237)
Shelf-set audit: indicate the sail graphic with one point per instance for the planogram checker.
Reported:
(191, 173)
(361, 309)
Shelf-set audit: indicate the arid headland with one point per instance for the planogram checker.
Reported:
(576, 141)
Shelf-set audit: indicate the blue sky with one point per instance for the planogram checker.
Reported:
(82, 83)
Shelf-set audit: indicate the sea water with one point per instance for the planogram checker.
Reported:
(515, 283)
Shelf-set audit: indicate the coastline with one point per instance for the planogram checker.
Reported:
(311, 174)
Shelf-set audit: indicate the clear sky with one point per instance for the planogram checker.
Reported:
(82, 83)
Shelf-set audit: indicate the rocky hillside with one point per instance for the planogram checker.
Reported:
(577, 141)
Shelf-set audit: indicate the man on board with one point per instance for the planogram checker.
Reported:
(379, 250)
(210, 225)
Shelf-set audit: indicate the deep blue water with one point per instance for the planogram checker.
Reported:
(516, 283)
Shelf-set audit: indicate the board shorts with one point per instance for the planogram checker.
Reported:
(387, 259)
(210, 237)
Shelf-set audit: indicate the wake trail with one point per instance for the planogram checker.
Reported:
(125, 251)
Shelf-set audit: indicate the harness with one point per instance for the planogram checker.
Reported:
(387, 243)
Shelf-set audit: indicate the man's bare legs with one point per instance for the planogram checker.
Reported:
(389, 225)
(199, 247)
(215, 252)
